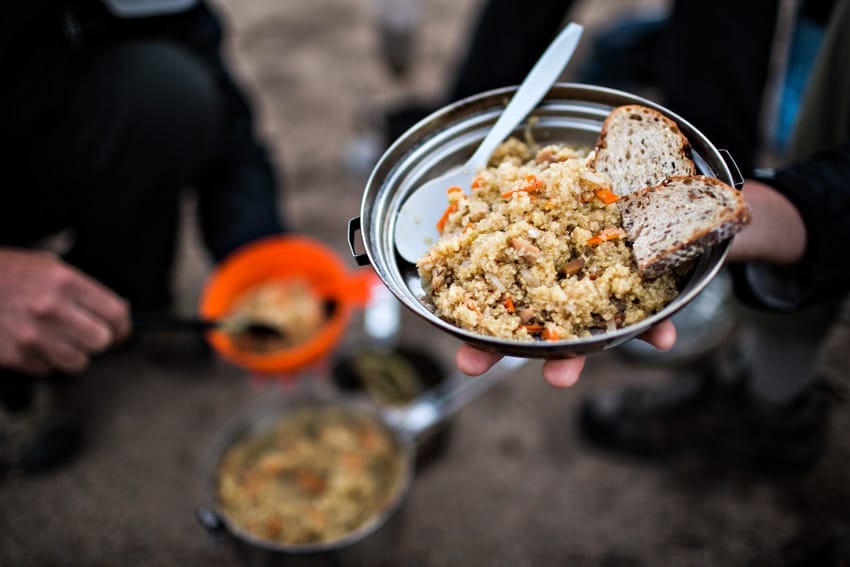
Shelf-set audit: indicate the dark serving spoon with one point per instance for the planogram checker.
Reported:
(233, 326)
(248, 334)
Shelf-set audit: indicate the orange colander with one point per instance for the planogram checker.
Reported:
(279, 258)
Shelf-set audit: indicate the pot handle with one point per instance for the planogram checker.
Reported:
(737, 178)
(440, 402)
(212, 523)
(353, 227)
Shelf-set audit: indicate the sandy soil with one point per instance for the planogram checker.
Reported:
(515, 487)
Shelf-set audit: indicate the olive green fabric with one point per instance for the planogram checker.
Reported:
(824, 117)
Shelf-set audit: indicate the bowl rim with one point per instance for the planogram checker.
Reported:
(487, 105)
(283, 257)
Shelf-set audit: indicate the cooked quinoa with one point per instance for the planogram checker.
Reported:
(316, 476)
(289, 306)
(535, 250)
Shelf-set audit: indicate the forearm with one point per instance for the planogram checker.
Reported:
(777, 233)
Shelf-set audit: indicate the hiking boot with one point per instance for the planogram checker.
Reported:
(37, 436)
(699, 413)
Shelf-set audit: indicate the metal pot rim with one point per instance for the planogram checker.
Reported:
(406, 426)
(257, 419)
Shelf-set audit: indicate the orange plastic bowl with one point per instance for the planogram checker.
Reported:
(280, 258)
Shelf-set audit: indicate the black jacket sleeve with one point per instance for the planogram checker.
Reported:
(14, 19)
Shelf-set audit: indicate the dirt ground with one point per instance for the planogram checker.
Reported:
(515, 486)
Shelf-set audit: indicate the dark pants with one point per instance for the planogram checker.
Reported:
(106, 123)
(507, 40)
(716, 67)
(104, 131)
(711, 58)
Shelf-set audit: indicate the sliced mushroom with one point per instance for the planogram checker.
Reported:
(526, 249)
(573, 267)
(526, 314)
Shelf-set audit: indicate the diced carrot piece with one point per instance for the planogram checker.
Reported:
(532, 184)
(606, 196)
(310, 482)
(550, 334)
(604, 235)
(441, 224)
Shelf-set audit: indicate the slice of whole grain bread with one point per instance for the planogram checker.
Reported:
(640, 147)
(679, 219)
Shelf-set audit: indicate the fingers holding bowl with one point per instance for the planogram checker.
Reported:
(474, 362)
(558, 372)
(662, 336)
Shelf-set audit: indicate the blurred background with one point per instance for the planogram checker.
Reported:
(514, 484)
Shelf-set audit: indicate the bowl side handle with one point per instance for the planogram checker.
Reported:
(353, 228)
(737, 178)
(212, 523)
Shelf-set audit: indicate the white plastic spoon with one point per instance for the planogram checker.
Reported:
(416, 223)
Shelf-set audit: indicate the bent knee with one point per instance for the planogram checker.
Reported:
(167, 97)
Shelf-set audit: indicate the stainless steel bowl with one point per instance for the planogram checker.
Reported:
(571, 114)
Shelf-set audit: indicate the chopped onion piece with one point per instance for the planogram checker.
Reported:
(529, 278)
(494, 279)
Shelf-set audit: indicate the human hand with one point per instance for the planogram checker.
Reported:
(562, 372)
(53, 317)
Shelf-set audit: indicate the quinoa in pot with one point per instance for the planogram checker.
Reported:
(535, 250)
(315, 476)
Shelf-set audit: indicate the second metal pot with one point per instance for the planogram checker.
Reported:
(373, 543)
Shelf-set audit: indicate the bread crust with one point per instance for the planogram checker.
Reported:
(679, 219)
(663, 152)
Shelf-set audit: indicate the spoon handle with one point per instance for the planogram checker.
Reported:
(448, 397)
(168, 321)
(535, 86)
